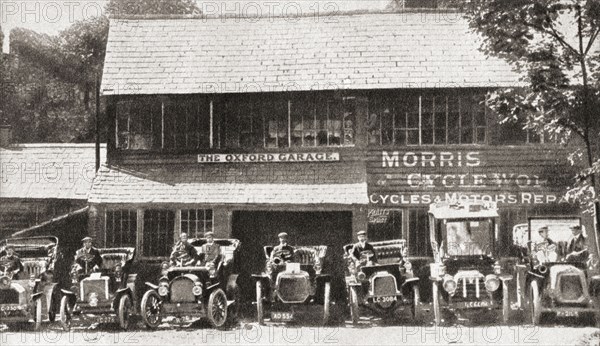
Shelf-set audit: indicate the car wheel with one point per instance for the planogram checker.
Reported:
(416, 305)
(37, 318)
(326, 303)
(436, 304)
(260, 317)
(66, 313)
(505, 303)
(150, 309)
(354, 308)
(535, 303)
(217, 308)
(124, 311)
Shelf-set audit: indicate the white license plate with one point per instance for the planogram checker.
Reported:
(384, 299)
(104, 319)
(282, 316)
(475, 304)
(567, 313)
(10, 307)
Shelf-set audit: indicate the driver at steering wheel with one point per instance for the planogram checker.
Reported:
(183, 253)
(87, 259)
(363, 246)
(546, 248)
(10, 262)
(283, 250)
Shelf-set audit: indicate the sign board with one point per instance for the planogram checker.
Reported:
(268, 157)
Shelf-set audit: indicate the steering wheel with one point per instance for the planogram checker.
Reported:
(546, 253)
(366, 257)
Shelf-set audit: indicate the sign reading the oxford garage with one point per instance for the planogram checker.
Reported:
(424, 177)
(268, 157)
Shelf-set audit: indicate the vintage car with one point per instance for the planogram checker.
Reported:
(105, 296)
(383, 287)
(466, 275)
(193, 290)
(33, 292)
(549, 280)
(286, 289)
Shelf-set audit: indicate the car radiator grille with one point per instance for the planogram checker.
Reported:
(94, 286)
(294, 289)
(181, 291)
(466, 290)
(9, 296)
(570, 287)
(384, 286)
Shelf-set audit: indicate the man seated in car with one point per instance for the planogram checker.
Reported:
(10, 263)
(211, 251)
(577, 250)
(87, 259)
(283, 250)
(183, 254)
(362, 249)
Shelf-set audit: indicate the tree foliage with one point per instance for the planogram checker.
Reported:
(554, 43)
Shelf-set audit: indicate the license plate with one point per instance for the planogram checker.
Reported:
(384, 299)
(104, 319)
(282, 316)
(567, 313)
(475, 304)
(11, 307)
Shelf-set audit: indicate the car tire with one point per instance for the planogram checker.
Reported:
(326, 303)
(260, 314)
(66, 313)
(124, 312)
(37, 317)
(505, 303)
(354, 308)
(535, 303)
(437, 314)
(217, 308)
(416, 305)
(150, 309)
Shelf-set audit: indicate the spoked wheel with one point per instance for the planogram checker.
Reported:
(505, 303)
(217, 308)
(66, 313)
(436, 304)
(260, 317)
(354, 309)
(326, 302)
(125, 311)
(535, 303)
(37, 319)
(416, 305)
(150, 309)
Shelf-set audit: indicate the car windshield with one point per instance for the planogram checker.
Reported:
(468, 237)
(549, 245)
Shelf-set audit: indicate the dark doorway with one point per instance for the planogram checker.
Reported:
(256, 229)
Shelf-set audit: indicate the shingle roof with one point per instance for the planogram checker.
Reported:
(60, 171)
(120, 186)
(346, 51)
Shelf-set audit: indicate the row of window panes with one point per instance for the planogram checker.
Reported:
(241, 123)
(159, 228)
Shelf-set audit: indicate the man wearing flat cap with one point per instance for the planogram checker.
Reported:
(87, 259)
(360, 247)
(211, 250)
(283, 250)
(577, 250)
(183, 253)
(10, 262)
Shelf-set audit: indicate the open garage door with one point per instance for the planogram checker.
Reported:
(256, 229)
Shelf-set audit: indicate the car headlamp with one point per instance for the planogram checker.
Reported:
(449, 284)
(497, 268)
(31, 282)
(318, 268)
(212, 271)
(492, 283)
(197, 289)
(5, 281)
(361, 276)
(163, 290)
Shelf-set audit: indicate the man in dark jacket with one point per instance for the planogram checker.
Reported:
(211, 250)
(360, 247)
(184, 253)
(88, 259)
(283, 250)
(577, 250)
(10, 262)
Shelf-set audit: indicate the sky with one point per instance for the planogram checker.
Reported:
(52, 16)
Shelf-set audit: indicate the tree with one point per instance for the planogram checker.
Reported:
(554, 44)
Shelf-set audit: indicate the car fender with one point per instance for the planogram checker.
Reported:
(152, 286)
(37, 296)
(119, 293)
(67, 292)
(322, 278)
